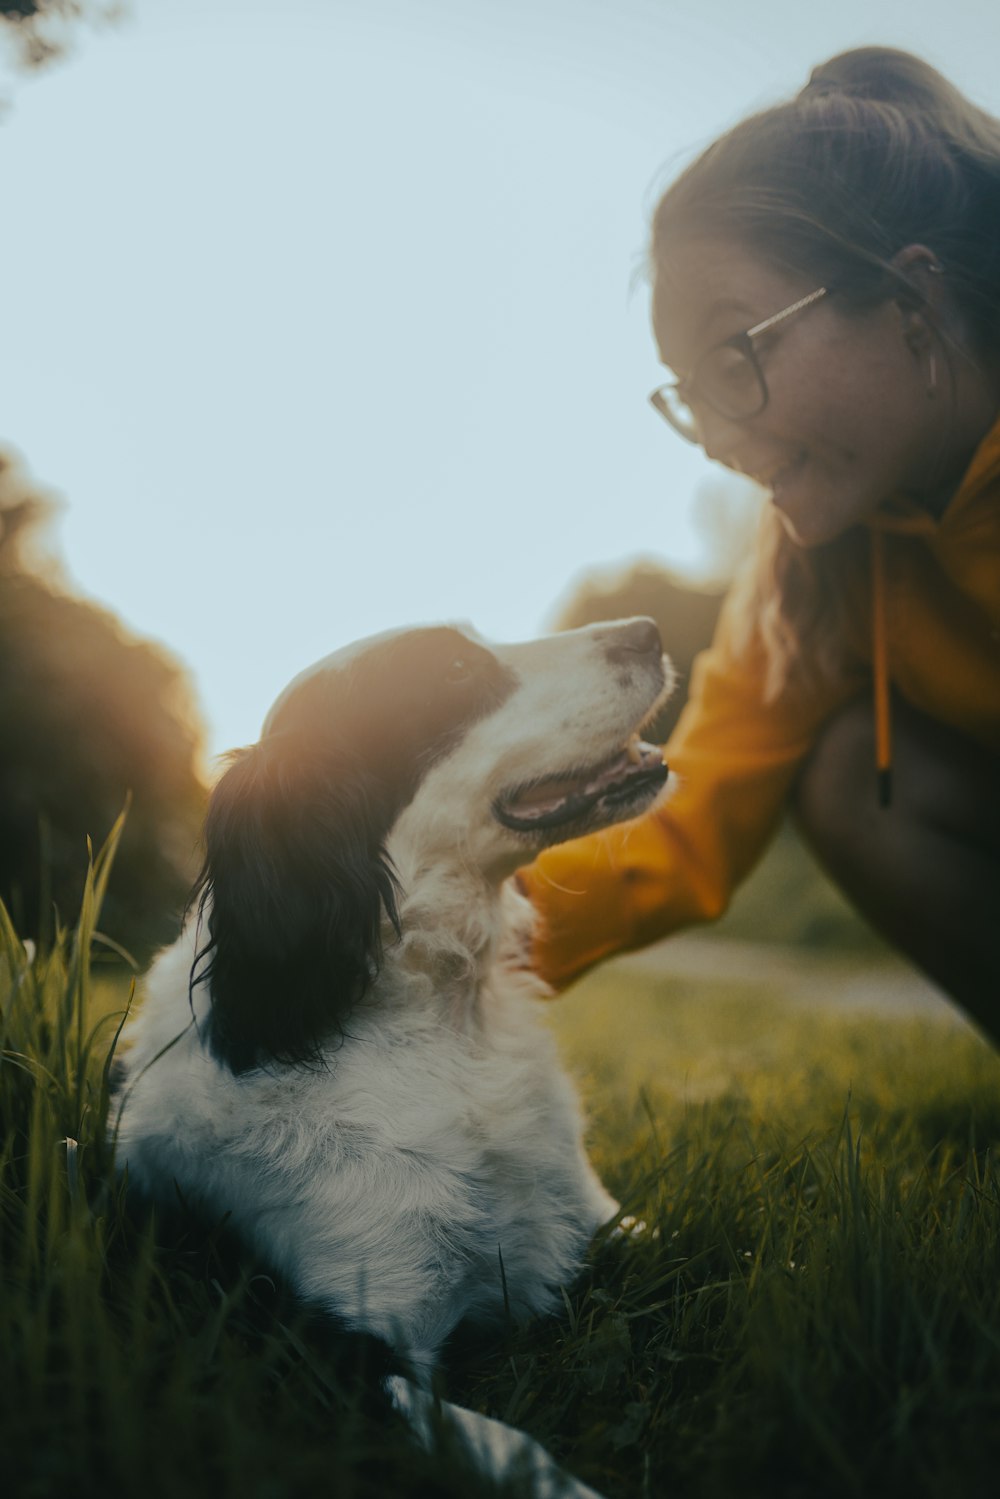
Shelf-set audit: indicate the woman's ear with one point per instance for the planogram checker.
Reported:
(922, 303)
(293, 890)
(922, 300)
(921, 267)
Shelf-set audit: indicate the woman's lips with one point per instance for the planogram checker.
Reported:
(784, 477)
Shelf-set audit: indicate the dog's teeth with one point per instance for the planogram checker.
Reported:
(632, 748)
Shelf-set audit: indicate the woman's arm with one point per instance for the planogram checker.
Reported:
(733, 759)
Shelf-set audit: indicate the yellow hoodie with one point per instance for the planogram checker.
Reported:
(932, 629)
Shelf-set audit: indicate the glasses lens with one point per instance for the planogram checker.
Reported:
(675, 410)
(729, 381)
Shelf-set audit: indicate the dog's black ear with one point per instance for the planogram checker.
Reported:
(294, 888)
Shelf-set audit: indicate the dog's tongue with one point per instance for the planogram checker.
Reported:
(539, 801)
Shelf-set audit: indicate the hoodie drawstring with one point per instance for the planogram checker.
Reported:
(880, 668)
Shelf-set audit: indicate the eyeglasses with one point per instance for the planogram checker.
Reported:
(728, 378)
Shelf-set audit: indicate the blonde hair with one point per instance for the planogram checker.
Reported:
(877, 152)
(801, 603)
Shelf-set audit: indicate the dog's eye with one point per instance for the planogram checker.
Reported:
(459, 670)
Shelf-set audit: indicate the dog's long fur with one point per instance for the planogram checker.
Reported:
(344, 1050)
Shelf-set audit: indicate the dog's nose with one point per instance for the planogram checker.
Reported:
(634, 637)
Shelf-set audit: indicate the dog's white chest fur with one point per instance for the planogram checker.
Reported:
(429, 1168)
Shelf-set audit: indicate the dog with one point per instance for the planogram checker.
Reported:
(344, 1050)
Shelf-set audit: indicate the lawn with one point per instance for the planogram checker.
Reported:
(811, 1304)
(808, 1301)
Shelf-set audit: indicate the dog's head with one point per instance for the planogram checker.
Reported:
(426, 744)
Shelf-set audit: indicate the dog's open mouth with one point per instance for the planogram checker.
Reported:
(606, 793)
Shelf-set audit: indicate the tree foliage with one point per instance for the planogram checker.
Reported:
(89, 717)
(40, 30)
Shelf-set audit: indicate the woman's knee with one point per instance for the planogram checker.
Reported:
(925, 871)
(835, 793)
(942, 782)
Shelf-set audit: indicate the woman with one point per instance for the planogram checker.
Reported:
(826, 288)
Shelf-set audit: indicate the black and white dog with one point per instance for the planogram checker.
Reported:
(344, 1050)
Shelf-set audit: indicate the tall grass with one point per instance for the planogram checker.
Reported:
(809, 1302)
(133, 1365)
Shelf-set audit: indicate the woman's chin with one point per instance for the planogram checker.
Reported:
(803, 535)
(812, 529)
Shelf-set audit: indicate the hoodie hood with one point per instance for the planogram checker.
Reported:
(905, 518)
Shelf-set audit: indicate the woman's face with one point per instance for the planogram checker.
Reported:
(856, 413)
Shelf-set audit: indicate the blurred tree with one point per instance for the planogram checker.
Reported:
(39, 30)
(686, 615)
(88, 716)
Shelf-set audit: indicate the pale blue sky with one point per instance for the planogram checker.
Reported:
(319, 316)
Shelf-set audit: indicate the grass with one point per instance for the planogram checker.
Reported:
(812, 1304)
(809, 1303)
(131, 1365)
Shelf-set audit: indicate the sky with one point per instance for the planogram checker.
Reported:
(325, 317)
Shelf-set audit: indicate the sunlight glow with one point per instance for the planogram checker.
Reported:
(320, 319)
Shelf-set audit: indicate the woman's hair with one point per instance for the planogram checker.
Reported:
(877, 152)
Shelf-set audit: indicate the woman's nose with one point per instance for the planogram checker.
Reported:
(719, 436)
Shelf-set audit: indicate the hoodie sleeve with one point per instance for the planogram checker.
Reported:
(733, 758)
